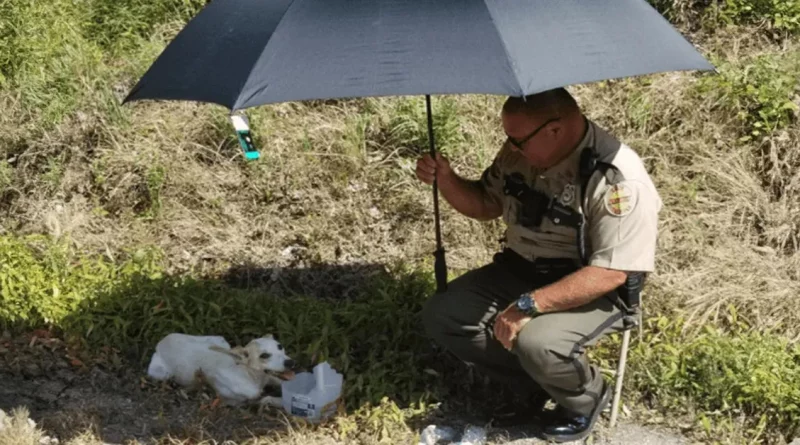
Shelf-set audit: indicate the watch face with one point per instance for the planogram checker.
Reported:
(525, 304)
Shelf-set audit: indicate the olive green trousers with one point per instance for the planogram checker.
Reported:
(549, 352)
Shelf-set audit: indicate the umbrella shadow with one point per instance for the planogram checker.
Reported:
(111, 395)
(338, 282)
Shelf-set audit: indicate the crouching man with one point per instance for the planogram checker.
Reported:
(581, 213)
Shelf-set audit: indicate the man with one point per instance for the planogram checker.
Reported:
(559, 182)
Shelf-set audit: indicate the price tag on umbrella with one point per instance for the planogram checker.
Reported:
(242, 126)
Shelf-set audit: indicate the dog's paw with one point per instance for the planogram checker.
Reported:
(275, 402)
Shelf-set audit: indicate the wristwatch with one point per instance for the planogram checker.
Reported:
(527, 304)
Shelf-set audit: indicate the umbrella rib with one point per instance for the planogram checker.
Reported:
(239, 102)
(255, 93)
(511, 63)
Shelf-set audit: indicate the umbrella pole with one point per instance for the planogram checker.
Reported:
(440, 265)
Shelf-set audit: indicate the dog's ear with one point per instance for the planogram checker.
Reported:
(237, 353)
(253, 351)
(240, 354)
(268, 336)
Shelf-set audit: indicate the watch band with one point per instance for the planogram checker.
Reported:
(534, 306)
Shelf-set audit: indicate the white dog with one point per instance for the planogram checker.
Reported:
(238, 375)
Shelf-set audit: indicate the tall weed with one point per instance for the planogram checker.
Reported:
(741, 373)
(118, 25)
(760, 91)
(780, 15)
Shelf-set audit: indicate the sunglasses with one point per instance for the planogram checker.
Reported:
(520, 142)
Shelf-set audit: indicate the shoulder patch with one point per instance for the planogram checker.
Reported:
(619, 199)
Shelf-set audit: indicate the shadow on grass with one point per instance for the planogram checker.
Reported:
(363, 319)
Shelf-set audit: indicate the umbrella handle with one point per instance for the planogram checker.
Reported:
(440, 264)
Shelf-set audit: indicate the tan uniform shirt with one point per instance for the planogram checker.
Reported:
(621, 220)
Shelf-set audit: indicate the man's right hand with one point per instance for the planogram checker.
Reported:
(467, 197)
(427, 168)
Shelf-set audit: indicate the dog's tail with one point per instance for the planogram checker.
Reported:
(158, 368)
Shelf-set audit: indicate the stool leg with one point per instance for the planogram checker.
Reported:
(623, 356)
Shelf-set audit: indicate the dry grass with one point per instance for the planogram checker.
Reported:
(726, 237)
(17, 428)
(25, 435)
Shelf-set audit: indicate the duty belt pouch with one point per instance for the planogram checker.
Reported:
(630, 296)
(533, 204)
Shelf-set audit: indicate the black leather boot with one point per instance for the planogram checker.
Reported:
(572, 427)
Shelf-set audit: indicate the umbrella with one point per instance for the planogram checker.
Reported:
(245, 53)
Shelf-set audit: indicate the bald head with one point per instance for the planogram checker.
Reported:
(546, 126)
(552, 103)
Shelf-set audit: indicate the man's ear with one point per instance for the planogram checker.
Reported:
(555, 129)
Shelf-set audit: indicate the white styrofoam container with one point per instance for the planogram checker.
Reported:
(313, 396)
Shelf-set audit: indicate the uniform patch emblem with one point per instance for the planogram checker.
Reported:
(619, 200)
(567, 195)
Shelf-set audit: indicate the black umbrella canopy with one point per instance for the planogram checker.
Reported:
(245, 53)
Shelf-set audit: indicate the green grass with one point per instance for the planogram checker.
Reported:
(722, 376)
(777, 18)
(780, 15)
(118, 25)
(760, 89)
(374, 335)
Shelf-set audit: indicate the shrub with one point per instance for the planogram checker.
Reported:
(759, 91)
(781, 15)
(42, 282)
(734, 374)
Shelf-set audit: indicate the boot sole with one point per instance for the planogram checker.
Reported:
(580, 436)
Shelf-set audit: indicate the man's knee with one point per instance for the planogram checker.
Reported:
(537, 349)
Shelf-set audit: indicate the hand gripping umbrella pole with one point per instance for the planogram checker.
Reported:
(440, 265)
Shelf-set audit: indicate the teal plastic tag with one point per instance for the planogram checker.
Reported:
(242, 126)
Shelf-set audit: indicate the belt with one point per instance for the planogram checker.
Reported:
(540, 269)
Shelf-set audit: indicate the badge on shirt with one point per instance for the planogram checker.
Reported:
(619, 200)
(567, 195)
